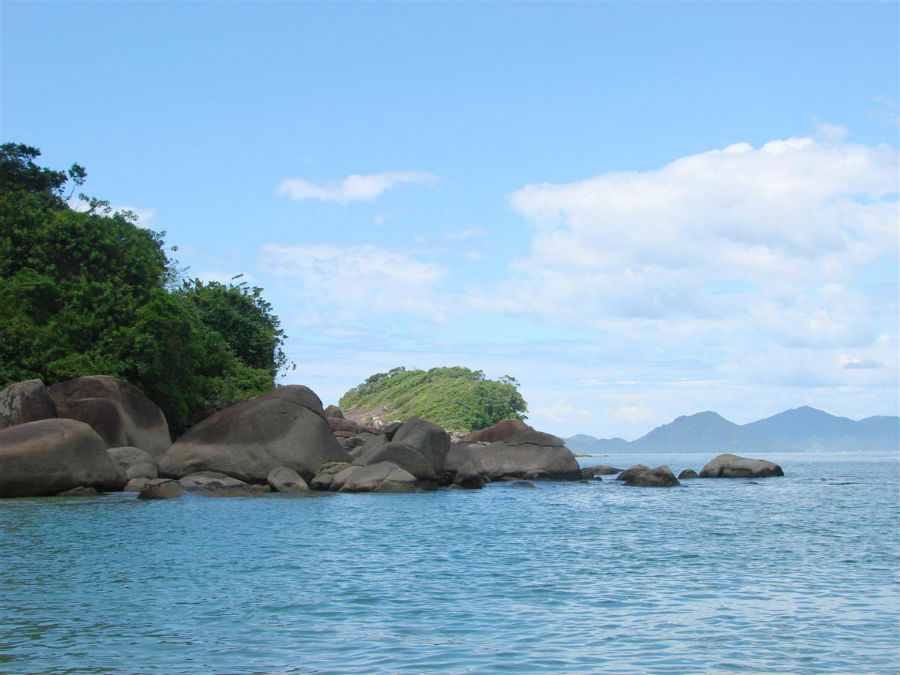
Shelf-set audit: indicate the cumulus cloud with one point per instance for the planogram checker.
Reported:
(769, 239)
(561, 411)
(342, 281)
(354, 187)
(634, 414)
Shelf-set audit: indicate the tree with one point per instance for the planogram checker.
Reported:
(456, 398)
(85, 293)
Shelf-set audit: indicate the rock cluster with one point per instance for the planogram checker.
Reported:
(98, 433)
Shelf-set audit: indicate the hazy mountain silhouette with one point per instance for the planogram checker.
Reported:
(802, 428)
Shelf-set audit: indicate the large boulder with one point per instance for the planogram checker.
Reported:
(418, 446)
(402, 455)
(499, 432)
(27, 401)
(284, 427)
(463, 468)
(661, 476)
(428, 439)
(530, 454)
(732, 466)
(380, 477)
(53, 455)
(117, 410)
(632, 471)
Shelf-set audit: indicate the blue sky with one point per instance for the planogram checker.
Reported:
(639, 210)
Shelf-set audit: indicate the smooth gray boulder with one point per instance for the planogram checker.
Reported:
(660, 476)
(53, 455)
(27, 401)
(687, 474)
(214, 484)
(402, 455)
(136, 463)
(117, 410)
(463, 468)
(498, 432)
(520, 484)
(430, 440)
(161, 488)
(632, 471)
(521, 457)
(380, 477)
(334, 411)
(283, 479)
(732, 466)
(284, 427)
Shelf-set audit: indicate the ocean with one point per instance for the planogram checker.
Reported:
(799, 574)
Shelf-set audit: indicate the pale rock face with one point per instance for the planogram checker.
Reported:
(27, 401)
(733, 466)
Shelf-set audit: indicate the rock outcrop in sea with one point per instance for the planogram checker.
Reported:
(732, 466)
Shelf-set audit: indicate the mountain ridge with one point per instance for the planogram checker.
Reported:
(797, 429)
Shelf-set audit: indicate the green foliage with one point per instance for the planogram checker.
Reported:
(456, 398)
(85, 293)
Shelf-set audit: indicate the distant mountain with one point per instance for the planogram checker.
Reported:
(584, 444)
(703, 432)
(803, 428)
(807, 428)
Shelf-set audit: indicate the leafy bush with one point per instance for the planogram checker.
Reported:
(456, 398)
(85, 293)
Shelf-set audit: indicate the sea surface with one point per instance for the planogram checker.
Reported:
(781, 575)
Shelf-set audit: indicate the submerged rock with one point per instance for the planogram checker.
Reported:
(214, 484)
(80, 491)
(599, 470)
(53, 455)
(733, 466)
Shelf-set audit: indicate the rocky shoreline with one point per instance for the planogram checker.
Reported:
(101, 434)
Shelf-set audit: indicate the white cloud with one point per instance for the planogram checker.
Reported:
(766, 240)
(145, 217)
(340, 282)
(354, 187)
(561, 411)
(634, 414)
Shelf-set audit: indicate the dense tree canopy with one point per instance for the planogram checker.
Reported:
(456, 398)
(90, 292)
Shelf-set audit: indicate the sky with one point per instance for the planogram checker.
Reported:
(638, 210)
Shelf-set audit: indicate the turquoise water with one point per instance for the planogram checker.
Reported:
(786, 575)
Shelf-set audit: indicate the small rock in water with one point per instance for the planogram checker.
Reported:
(520, 484)
(161, 488)
(80, 491)
(687, 473)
